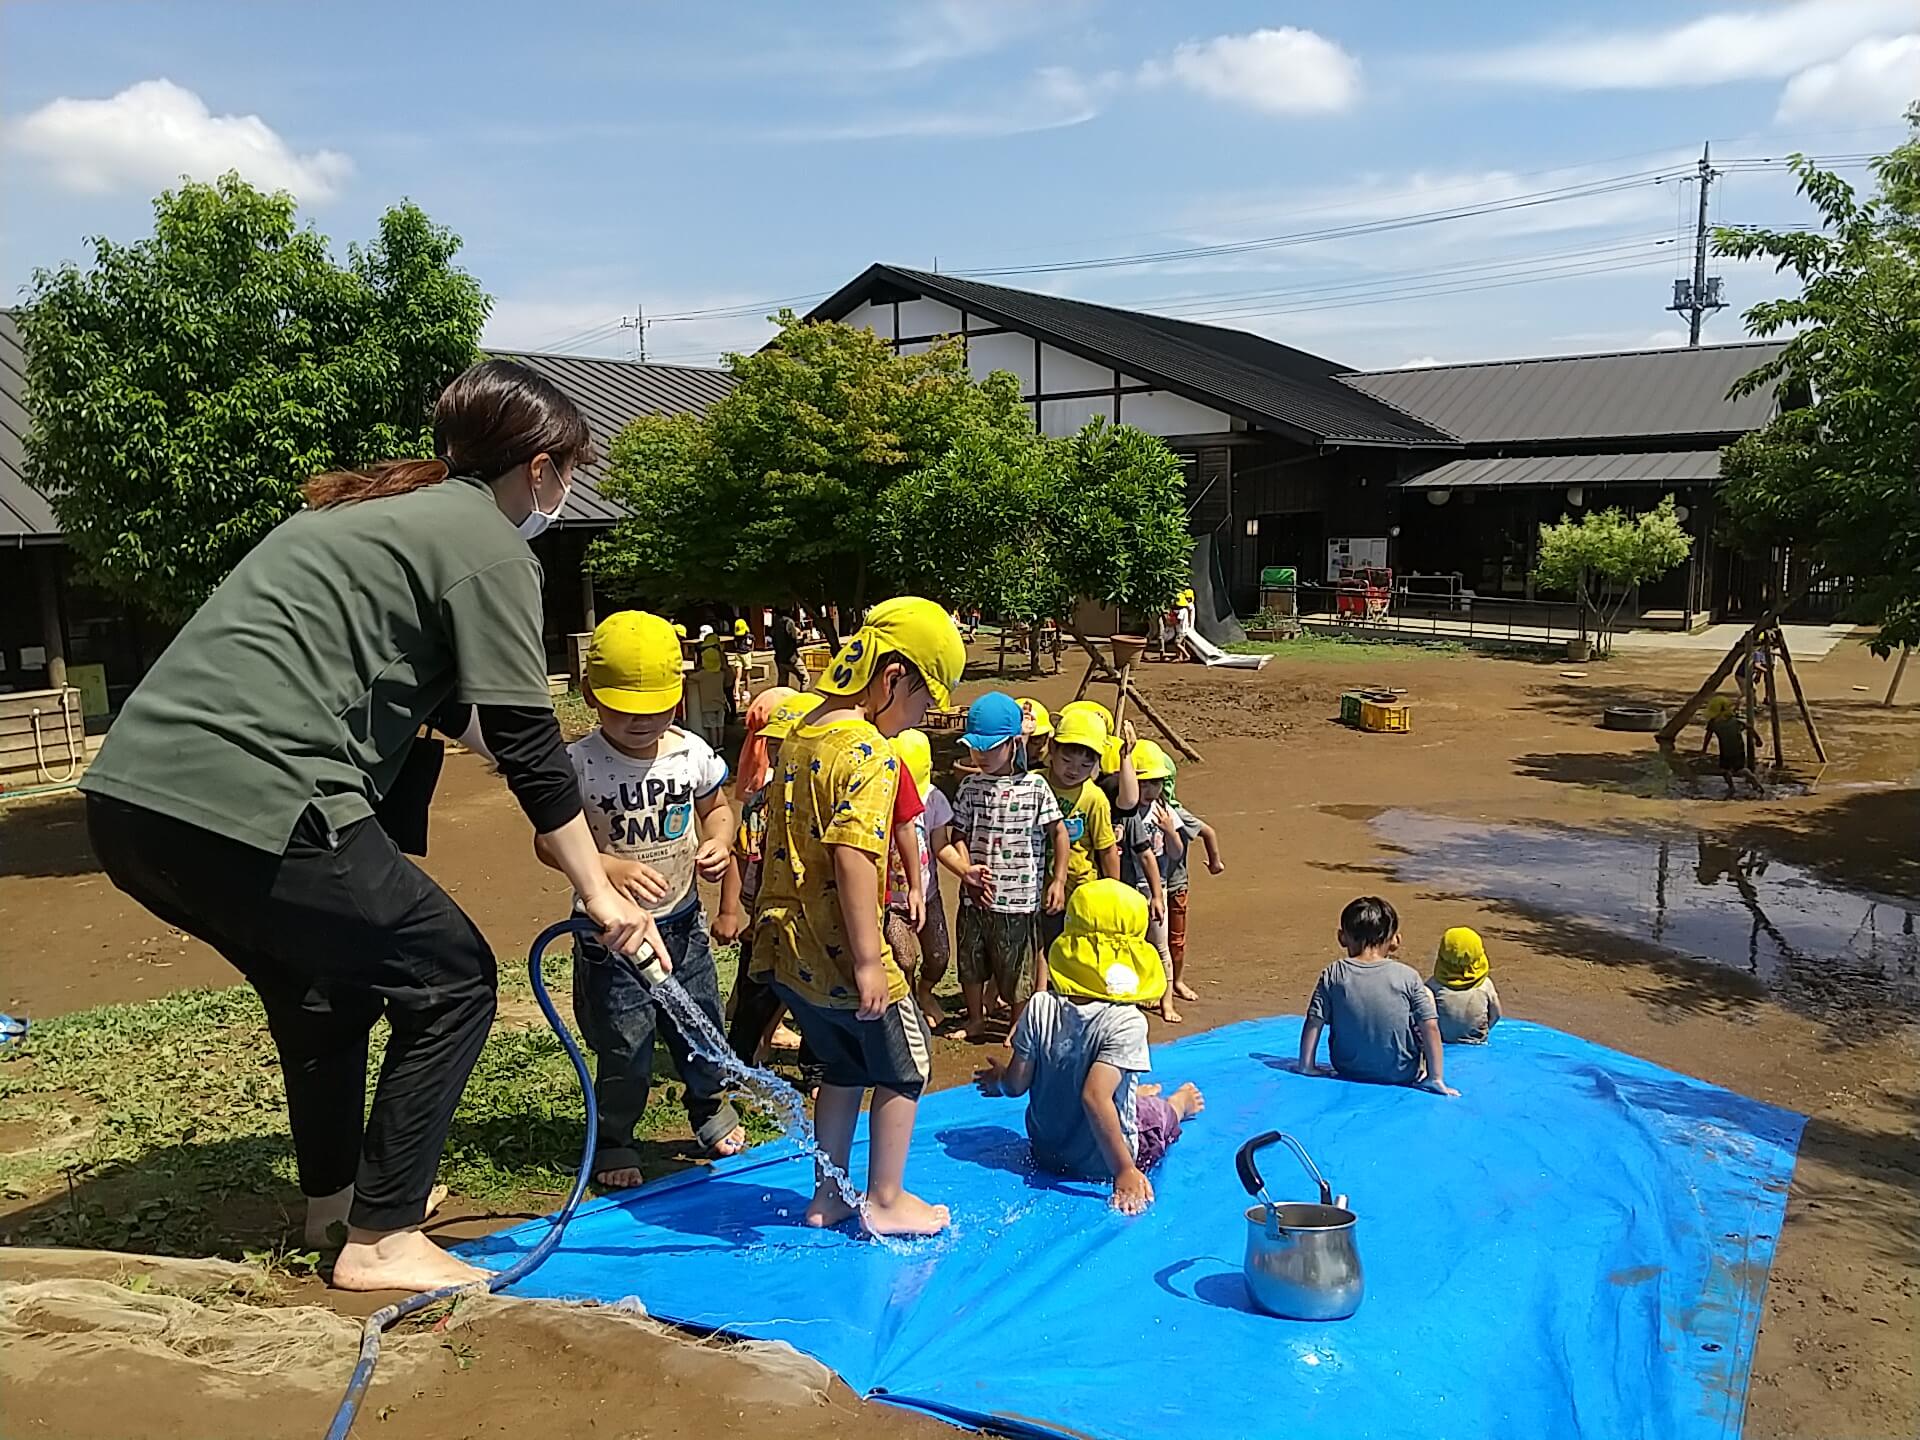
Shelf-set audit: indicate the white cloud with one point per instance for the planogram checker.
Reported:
(1728, 45)
(1287, 71)
(152, 133)
(1421, 363)
(1872, 83)
(952, 30)
(1052, 99)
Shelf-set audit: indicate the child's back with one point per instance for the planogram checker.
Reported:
(1463, 993)
(1371, 1009)
(1063, 1039)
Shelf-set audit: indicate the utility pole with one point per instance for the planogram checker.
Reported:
(637, 322)
(1699, 297)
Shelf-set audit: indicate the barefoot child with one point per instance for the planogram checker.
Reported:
(932, 833)
(1004, 824)
(1192, 829)
(818, 928)
(1073, 759)
(1081, 1047)
(656, 802)
(1378, 1015)
(1739, 744)
(1463, 993)
(1151, 841)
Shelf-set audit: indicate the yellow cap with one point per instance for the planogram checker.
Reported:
(1462, 961)
(787, 714)
(1110, 755)
(680, 632)
(909, 626)
(1099, 712)
(1719, 707)
(1150, 762)
(1077, 727)
(1103, 953)
(915, 752)
(740, 627)
(633, 663)
(1042, 721)
(1185, 597)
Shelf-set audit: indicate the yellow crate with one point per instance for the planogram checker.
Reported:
(1385, 718)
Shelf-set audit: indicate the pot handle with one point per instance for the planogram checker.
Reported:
(1249, 1172)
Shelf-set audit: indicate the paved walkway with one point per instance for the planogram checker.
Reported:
(1807, 642)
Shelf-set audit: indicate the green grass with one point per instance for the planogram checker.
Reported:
(1315, 646)
(162, 1126)
(576, 717)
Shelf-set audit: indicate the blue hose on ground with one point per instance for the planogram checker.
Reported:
(382, 1319)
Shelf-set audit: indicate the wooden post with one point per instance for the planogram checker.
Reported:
(1174, 737)
(1097, 664)
(1746, 690)
(53, 631)
(1899, 669)
(1671, 730)
(587, 613)
(1800, 697)
(1773, 705)
(1120, 705)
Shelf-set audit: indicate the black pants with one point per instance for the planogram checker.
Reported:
(335, 933)
(789, 669)
(754, 1004)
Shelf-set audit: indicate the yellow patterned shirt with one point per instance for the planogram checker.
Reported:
(835, 786)
(1089, 820)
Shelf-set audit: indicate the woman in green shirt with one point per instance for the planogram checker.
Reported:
(261, 783)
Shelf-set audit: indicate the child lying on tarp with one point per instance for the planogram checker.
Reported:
(1081, 1047)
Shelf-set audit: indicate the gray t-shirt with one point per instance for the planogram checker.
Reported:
(1144, 843)
(1465, 1015)
(1063, 1039)
(1173, 869)
(1371, 1009)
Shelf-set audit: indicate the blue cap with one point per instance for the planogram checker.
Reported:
(993, 718)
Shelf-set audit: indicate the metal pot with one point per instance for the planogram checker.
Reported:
(1302, 1262)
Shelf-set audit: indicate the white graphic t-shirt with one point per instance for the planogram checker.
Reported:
(644, 809)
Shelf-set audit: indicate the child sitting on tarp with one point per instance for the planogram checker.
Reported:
(1463, 995)
(1081, 1047)
(1381, 1020)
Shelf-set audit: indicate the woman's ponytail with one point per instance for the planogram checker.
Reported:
(388, 477)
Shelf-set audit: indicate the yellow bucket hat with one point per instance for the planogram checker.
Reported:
(1150, 762)
(1462, 961)
(1077, 727)
(1719, 707)
(1103, 953)
(915, 751)
(633, 663)
(909, 626)
(1042, 721)
(787, 714)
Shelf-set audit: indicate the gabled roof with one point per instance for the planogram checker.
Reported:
(1622, 395)
(610, 392)
(1269, 384)
(1546, 472)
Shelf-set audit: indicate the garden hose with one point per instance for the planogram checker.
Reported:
(381, 1319)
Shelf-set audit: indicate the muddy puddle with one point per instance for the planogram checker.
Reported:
(1812, 943)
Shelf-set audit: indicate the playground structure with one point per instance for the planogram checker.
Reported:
(1752, 659)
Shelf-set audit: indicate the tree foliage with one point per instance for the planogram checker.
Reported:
(777, 495)
(1840, 475)
(183, 386)
(1123, 530)
(1605, 553)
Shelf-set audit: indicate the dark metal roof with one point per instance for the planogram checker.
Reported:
(1539, 472)
(610, 392)
(1629, 394)
(1259, 380)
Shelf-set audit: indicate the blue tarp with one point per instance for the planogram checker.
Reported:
(1578, 1246)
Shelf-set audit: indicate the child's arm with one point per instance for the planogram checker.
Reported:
(1310, 1047)
(1156, 887)
(856, 878)
(1126, 791)
(1110, 861)
(1176, 838)
(714, 861)
(1211, 844)
(1062, 857)
(1008, 1078)
(640, 883)
(906, 846)
(1431, 1047)
(1493, 1006)
(1132, 1191)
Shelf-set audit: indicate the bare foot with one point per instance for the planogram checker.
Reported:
(326, 1226)
(623, 1178)
(827, 1210)
(1149, 1090)
(931, 1008)
(732, 1143)
(907, 1215)
(1168, 1013)
(399, 1260)
(1187, 1101)
(1184, 991)
(976, 1030)
(784, 1038)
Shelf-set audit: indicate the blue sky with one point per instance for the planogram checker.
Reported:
(717, 157)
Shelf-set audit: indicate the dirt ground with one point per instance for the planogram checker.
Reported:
(1305, 810)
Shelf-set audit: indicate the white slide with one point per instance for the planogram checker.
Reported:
(1207, 653)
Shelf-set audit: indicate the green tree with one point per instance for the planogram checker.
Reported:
(1123, 535)
(1840, 475)
(777, 495)
(184, 386)
(1605, 553)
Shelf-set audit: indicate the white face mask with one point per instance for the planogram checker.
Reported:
(537, 520)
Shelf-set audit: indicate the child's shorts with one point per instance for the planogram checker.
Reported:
(994, 946)
(894, 1052)
(1159, 1127)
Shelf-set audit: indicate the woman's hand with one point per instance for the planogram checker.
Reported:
(625, 926)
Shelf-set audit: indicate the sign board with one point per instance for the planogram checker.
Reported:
(1278, 577)
(1348, 553)
(91, 682)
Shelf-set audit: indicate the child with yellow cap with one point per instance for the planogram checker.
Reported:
(819, 935)
(1739, 743)
(655, 798)
(1081, 1047)
(1073, 760)
(1463, 993)
(1152, 840)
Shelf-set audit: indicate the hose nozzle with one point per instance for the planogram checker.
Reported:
(646, 964)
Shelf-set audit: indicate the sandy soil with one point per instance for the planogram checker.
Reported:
(1299, 804)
